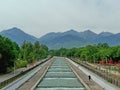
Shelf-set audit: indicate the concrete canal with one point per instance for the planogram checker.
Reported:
(60, 77)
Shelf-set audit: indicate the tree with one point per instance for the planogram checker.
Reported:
(8, 54)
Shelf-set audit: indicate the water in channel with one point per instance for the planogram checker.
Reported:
(60, 77)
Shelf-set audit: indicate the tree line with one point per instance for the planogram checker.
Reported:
(91, 53)
(20, 56)
(11, 55)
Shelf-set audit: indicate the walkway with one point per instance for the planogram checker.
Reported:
(60, 77)
(17, 83)
(17, 71)
(104, 84)
(11, 74)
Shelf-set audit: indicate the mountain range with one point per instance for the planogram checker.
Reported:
(18, 36)
(68, 39)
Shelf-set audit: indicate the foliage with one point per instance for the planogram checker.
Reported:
(8, 53)
(31, 53)
(11, 55)
(21, 63)
(91, 53)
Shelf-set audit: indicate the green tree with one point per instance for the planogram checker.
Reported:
(8, 54)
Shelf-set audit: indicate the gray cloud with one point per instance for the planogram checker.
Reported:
(38, 17)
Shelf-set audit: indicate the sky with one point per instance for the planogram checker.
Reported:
(39, 17)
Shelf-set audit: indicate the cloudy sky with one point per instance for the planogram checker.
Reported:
(38, 17)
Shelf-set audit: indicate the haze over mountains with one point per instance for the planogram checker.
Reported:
(68, 39)
(17, 35)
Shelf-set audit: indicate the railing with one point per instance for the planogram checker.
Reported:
(8, 81)
(102, 74)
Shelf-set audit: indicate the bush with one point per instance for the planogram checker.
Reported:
(21, 63)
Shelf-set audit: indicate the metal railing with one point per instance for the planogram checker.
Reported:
(100, 73)
(10, 80)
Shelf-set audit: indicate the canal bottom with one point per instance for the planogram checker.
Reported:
(60, 77)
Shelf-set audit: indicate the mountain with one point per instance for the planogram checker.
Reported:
(17, 35)
(72, 38)
(68, 39)
(109, 38)
(88, 34)
(104, 34)
(48, 37)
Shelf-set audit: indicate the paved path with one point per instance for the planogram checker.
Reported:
(17, 71)
(11, 74)
(33, 81)
(104, 84)
(89, 84)
(14, 85)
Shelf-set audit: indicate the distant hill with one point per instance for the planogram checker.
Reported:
(18, 35)
(109, 38)
(68, 39)
(72, 38)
